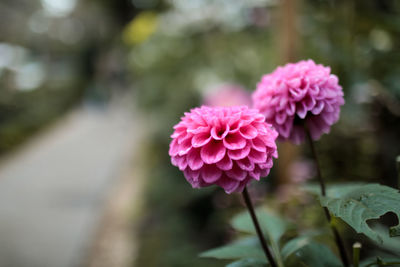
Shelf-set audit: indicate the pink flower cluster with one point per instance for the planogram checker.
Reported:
(299, 94)
(226, 146)
(230, 146)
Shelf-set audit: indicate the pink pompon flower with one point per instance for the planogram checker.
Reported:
(227, 95)
(226, 146)
(298, 94)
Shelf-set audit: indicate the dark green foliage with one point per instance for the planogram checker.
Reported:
(313, 255)
(353, 203)
(379, 261)
(299, 251)
(357, 204)
(248, 263)
(271, 224)
(245, 248)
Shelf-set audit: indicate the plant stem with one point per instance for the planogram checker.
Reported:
(338, 239)
(398, 170)
(356, 254)
(249, 205)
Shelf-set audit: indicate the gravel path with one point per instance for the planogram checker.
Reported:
(53, 189)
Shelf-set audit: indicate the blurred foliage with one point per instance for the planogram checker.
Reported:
(140, 28)
(360, 40)
(21, 114)
(53, 55)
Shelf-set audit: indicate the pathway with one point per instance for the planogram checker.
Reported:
(53, 190)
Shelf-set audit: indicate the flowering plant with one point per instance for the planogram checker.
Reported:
(231, 146)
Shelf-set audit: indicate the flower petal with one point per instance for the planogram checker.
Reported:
(236, 173)
(301, 110)
(213, 152)
(201, 139)
(193, 178)
(185, 146)
(257, 156)
(309, 102)
(191, 175)
(179, 162)
(291, 108)
(319, 106)
(173, 148)
(225, 164)
(248, 131)
(234, 141)
(255, 174)
(284, 129)
(219, 132)
(280, 117)
(240, 153)
(210, 173)
(179, 131)
(245, 164)
(229, 185)
(194, 159)
(199, 129)
(264, 172)
(258, 144)
(294, 83)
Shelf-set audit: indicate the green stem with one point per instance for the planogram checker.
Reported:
(264, 246)
(338, 239)
(356, 254)
(398, 170)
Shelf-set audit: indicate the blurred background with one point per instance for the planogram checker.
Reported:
(90, 90)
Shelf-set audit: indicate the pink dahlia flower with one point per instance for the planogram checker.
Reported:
(226, 146)
(297, 94)
(228, 95)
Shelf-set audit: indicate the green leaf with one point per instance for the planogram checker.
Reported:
(389, 243)
(294, 245)
(271, 225)
(333, 190)
(297, 243)
(378, 261)
(244, 248)
(248, 263)
(313, 255)
(357, 205)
